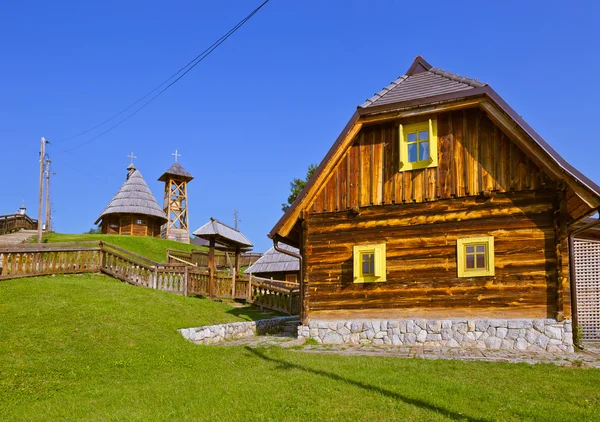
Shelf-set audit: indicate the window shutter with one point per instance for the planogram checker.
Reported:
(377, 262)
(356, 255)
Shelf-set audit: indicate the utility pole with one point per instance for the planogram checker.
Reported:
(48, 206)
(236, 219)
(40, 202)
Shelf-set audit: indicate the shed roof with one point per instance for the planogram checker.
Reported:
(134, 197)
(223, 234)
(273, 261)
(176, 170)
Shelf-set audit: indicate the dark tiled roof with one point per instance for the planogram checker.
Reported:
(134, 197)
(423, 83)
(177, 170)
(273, 261)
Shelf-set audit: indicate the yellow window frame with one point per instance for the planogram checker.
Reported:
(461, 256)
(404, 131)
(379, 274)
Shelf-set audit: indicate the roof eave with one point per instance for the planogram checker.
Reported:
(292, 209)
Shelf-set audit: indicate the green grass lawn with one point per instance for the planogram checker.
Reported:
(92, 348)
(152, 248)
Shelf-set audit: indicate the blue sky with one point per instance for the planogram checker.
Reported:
(271, 100)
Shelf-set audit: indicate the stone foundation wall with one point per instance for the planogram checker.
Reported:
(521, 334)
(210, 334)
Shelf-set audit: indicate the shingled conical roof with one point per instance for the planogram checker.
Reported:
(134, 197)
(176, 170)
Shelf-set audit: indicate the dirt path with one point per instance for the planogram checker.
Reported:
(17, 237)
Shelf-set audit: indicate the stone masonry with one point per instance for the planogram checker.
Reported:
(211, 334)
(519, 334)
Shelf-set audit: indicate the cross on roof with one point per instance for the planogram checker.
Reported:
(131, 157)
(176, 155)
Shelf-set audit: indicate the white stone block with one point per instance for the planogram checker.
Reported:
(501, 332)
(553, 332)
(410, 339)
(481, 325)
(493, 343)
(434, 326)
(521, 344)
(332, 338)
(452, 343)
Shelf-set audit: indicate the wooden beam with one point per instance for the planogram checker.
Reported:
(211, 268)
(403, 114)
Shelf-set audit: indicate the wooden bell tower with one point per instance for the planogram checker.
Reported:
(176, 179)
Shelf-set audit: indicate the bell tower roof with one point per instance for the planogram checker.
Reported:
(178, 171)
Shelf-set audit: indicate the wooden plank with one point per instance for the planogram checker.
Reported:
(365, 171)
(389, 165)
(444, 156)
(487, 148)
(343, 179)
(354, 175)
(459, 155)
(378, 166)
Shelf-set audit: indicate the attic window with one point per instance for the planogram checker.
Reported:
(369, 263)
(418, 145)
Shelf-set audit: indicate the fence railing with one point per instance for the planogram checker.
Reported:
(10, 223)
(200, 258)
(273, 294)
(92, 257)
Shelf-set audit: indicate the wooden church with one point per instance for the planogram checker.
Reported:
(439, 201)
(133, 210)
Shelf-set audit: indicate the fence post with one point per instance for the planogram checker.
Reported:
(249, 287)
(186, 276)
(101, 257)
(155, 278)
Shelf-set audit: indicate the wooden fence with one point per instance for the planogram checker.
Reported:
(180, 278)
(12, 222)
(200, 258)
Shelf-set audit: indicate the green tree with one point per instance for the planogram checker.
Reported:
(296, 187)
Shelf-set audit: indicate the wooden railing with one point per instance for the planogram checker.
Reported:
(200, 258)
(281, 296)
(12, 222)
(92, 257)
(28, 260)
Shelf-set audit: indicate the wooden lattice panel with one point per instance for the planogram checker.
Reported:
(587, 283)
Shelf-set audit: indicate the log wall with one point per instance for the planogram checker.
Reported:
(474, 156)
(127, 224)
(421, 257)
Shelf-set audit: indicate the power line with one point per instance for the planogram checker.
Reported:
(193, 63)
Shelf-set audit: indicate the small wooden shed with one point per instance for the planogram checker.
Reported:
(133, 210)
(276, 265)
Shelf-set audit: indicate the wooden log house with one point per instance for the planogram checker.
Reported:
(438, 201)
(133, 210)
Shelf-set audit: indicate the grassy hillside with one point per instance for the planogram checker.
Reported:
(152, 248)
(92, 348)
